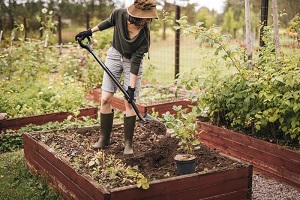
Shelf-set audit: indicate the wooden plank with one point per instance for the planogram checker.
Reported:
(44, 167)
(262, 154)
(283, 166)
(182, 183)
(29, 142)
(36, 168)
(250, 154)
(160, 107)
(250, 141)
(193, 192)
(243, 154)
(87, 184)
(16, 123)
(247, 150)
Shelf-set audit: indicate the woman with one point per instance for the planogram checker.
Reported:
(131, 40)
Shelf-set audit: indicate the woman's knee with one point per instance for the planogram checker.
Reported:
(106, 98)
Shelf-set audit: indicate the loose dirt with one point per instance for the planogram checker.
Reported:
(153, 154)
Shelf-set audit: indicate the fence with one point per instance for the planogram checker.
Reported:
(168, 57)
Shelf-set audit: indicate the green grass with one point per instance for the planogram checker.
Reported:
(192, 56)
(18, 183)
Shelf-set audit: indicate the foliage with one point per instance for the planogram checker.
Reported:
(10, 142)
(16, 181)
(37, 79)
(184, 125)
(21, 98)
(100, 44)
(111, 172)
(48, 26)
(264, 101)
(294, 29)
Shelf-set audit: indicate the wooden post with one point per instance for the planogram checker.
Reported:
(177, 43)
(87, 21)
(25, 28)
(276, 30)
(41, 31)
(59, 30)
(1, 31)
(1, 25)
(248, 33)
(264, 20)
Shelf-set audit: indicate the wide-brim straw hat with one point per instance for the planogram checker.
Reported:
(143, 9)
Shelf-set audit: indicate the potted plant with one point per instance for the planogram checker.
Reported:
(182, 126)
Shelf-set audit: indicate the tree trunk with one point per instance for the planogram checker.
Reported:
(276, 30)
(248, 33)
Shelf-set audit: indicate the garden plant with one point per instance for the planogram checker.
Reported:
(263, 102)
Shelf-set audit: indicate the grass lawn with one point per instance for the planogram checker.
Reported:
(18, 183)
(162, 59)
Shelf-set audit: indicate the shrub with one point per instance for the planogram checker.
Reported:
(265, 100)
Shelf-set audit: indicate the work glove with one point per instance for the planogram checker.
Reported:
(84, 34)
(130, 92)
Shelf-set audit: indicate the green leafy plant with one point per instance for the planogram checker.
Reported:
(10, 142)
(263, 101)
(183, 127)
(112, 172)
(48, 26)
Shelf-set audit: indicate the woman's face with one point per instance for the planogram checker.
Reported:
(145, 21)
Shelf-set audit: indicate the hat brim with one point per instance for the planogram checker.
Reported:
(138, 13)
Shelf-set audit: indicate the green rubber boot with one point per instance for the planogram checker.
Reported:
(129, 124)
(106, 122)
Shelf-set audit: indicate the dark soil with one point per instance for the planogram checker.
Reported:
(153, 154)
(153, 126)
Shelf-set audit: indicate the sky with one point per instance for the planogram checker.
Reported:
(211, 4)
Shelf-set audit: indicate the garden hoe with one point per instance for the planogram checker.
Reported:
(147, 121)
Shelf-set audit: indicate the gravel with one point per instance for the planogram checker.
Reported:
(270, 189)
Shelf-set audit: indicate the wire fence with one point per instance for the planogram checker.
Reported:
(168, 57)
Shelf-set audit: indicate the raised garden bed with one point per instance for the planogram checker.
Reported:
(16, 123)
(145, 104)
(218, 176)
(268, 159)
(160, 107)
(94, 95)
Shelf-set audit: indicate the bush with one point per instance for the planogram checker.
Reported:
(265, 100)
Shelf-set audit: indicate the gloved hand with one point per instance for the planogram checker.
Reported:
(84, 34)
(130, 92)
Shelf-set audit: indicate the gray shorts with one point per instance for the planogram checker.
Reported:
(118, 64)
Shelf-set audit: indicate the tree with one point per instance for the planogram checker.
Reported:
(229, 24)
(206, 16)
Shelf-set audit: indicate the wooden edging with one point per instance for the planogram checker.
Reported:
(269, 159)
(17, 123)
(228, 184)
(160, 107)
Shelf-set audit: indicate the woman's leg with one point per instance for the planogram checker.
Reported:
(130, 115)
(106, 99)
(108, 90)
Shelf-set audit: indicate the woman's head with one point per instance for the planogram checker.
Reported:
(138, 21)
(142, 12)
